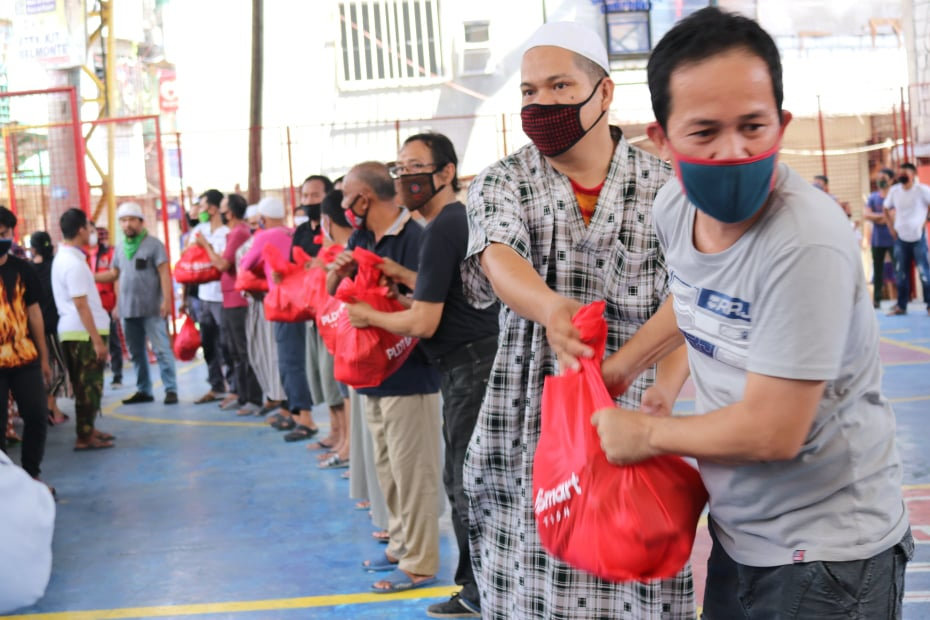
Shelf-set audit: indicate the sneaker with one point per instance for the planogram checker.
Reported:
(171, 398)
(455, 607)
(138, 397)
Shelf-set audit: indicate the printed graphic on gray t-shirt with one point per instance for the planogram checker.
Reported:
(789, 300)
(139, 286)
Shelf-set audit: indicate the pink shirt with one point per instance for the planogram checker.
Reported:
(279, 237)
(236, 237)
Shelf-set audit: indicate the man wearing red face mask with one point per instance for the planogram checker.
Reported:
(559, 223)
(795, 440)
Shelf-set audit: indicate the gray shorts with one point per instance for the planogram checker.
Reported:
(323, 386)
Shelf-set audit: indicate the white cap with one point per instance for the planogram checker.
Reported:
(129, 209)
(271, 207)
(251, 211)
(573, 37)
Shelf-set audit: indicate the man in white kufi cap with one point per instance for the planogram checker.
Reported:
(140, 263)
(562, 222)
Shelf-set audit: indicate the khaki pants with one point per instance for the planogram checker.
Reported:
(405, 431)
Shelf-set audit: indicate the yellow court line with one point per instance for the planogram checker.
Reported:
(908, 399)
(906, 345)
(915, 363)
(895, 331)
(305, 602)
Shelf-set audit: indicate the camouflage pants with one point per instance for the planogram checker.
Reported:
(86, 373)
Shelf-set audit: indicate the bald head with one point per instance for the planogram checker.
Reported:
(375, 176)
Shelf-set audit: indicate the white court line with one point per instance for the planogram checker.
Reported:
(918, 567)
(920, 596)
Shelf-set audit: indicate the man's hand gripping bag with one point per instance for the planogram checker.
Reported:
(621, 523)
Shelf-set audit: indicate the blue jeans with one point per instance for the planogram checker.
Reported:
(906, 252)
(863, 589)
(136, 331)
(292, 361)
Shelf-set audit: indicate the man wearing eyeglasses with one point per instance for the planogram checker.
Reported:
(460, 340)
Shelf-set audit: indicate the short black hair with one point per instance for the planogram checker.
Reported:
(327, 184)
(888, 172)
(71, 222)
(909, 166)
(441, 150)
(822, 177)
(7, 218)
(214, 197)
(41, 244)
(699, 36)
(237, 204)
(375, 175)
(332, 207)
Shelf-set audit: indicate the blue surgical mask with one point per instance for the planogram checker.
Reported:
(728, 190)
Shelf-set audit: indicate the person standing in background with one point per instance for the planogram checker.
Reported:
(882, 242)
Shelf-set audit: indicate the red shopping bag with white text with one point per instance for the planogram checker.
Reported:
(187, 340)
(365, 357)
(642, 516)
(195, 267)
(286, 302)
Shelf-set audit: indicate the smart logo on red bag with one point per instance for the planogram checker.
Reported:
(547, 499)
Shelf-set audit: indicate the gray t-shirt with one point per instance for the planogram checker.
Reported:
(789, 300)
(139, 286)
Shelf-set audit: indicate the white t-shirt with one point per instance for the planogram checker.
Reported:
(910, 207)
(71, 277)
(789, 299)
(27, 513)
(212, 291)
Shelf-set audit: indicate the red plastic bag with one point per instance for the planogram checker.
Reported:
(287, 302)
(642, 516)
(194, 267)
(187, 340)
(364, 357)
(315, 280)
(248, 281)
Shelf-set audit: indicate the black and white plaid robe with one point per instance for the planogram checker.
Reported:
(522, 202)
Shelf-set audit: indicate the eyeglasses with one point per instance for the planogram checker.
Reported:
(397, 170)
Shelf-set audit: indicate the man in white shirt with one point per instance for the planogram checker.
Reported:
(906, 205)
(27, 513)
(83, 326)
(208, 304)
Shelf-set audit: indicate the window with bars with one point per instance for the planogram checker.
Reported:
(390, 43)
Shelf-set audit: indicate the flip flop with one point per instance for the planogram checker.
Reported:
(320, 445)
(209, 397)
(285, 424)
(381, 536)
(399, 582)
(379, 564)
(104, 436)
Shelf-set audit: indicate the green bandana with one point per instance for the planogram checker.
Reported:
(131, 244)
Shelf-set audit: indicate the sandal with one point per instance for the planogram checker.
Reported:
(285, 424)
(300, 433)
(321, 445)
(379, 563)
(93, 443)
(334, 462)
(209, 397)
(363, 505)
(399, 581)
(382, 536)
(104, 436)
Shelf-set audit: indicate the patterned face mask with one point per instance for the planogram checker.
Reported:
(555, 128)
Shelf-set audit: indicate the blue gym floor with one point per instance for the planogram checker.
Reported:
(198, 513)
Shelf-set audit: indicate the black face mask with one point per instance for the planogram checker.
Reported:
(224, 218)
(904, 179)
(5, 245)
(312, 211)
